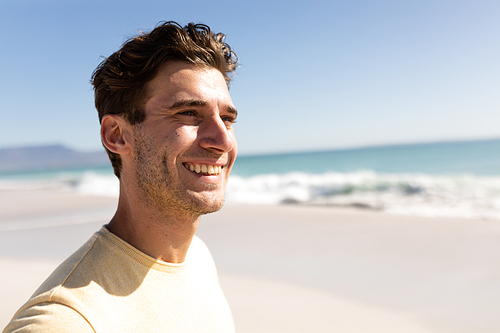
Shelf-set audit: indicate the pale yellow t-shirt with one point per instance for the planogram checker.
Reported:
(110, 286)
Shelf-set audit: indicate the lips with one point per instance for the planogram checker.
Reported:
(204, 169)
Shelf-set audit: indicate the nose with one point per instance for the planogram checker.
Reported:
(214, 134)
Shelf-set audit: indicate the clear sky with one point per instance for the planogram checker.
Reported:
(314, 74)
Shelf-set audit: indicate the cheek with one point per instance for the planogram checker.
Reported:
(177, 142)
(234, 151)
(184, 136)
(235, 142)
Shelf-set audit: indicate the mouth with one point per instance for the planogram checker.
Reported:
(204, 169)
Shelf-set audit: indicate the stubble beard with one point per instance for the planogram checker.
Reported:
(161, 191)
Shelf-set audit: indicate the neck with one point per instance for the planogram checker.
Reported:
(162, 235)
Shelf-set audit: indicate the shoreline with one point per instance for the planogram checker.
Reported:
(287, 267)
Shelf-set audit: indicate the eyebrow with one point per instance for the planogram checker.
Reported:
(197, 103)
(188, 102)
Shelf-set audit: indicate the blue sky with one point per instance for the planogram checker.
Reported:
(314, 74)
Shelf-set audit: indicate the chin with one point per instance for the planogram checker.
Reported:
(212, 207)
(200, 203)
(211, 210)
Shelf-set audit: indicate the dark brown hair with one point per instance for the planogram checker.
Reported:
(120, 81)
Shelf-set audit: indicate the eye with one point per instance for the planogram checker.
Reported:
(228, 119)
(188, 113)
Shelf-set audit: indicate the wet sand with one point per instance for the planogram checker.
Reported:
(291, 268)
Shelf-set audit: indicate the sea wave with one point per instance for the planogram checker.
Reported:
(455, 196)
(85, 183)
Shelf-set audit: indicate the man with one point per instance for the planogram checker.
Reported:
(166, 122)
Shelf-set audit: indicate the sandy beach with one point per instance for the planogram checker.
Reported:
(291, 268)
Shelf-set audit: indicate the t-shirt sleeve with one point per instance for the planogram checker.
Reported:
(49, 318)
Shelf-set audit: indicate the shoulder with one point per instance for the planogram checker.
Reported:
(42, 305)
(63, 272)
(50, 318)
(199, 250)
(198, 245)
(200, 259)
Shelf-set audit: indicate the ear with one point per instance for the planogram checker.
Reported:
(114, 134)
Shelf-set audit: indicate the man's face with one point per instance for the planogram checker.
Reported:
(185, 148)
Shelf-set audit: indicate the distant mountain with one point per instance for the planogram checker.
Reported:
(48, 157)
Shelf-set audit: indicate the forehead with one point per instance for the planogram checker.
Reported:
(179, 80)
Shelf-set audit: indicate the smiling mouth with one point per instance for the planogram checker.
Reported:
(204, 169)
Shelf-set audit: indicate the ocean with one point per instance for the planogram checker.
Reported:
(447, 179)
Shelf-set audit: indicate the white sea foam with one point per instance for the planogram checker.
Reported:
(457, 196)
(97, 184)
(85, 183)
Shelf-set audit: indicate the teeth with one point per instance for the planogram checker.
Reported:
(204, 168)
